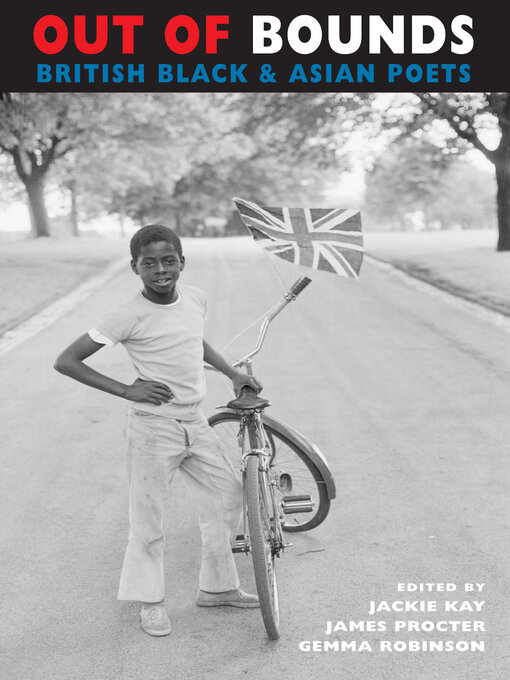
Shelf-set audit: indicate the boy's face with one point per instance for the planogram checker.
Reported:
(159, 265)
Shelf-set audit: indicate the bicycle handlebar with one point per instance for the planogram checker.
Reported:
(290, 295)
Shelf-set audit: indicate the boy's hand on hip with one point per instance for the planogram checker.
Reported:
(241, 379)
(149, 390)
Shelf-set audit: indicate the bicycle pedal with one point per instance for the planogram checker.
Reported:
(302, 503)
(240, 545)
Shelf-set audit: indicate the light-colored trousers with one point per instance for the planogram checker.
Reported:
(157, 446)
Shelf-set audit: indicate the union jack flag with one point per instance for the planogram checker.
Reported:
(320, 238)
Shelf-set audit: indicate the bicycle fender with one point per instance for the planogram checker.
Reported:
(312, 451)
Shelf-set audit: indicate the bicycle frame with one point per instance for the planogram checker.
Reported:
(264, 512)
(251, 425)
(251, 421)
(312, 452)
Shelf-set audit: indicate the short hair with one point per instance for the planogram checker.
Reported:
(150, 233)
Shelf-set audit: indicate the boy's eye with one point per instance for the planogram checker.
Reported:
(168, 262)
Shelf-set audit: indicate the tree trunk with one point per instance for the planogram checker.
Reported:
(122, 217)
(75, 225)
(503, 203)
(178, 221)
(37, 205)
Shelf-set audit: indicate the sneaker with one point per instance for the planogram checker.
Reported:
(230, 598)
(154, 619)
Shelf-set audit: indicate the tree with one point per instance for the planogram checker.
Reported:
(88, 144)
(173, 157)
(465, 197)
(407, 178)
(34, 132)
(416, 176)
(300, 126)
(140, 158)
(467, 116)
(323, 122)
(209, 187)
(117, 134)
(180, 159)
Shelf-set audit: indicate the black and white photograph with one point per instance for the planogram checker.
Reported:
(255, 381)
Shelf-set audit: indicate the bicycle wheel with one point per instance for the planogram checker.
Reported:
(291, 469)
(261, 528)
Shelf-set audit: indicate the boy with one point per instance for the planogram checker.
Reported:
(162, 331)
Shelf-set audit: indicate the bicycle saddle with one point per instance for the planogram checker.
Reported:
(248, 399)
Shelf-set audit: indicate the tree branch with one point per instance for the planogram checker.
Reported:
(18, 164)
(470, 135)
(62, 151)
(48, 155)
(499, 103)
(455, 120)
(7, 149)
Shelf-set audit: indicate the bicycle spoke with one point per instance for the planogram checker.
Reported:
(290, 467)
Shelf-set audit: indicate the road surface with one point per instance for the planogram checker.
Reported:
(407, 396)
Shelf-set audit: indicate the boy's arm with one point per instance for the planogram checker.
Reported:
(214, 358)
(71, 363)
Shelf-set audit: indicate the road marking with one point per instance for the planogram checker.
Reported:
(454, 300)
(49, 314)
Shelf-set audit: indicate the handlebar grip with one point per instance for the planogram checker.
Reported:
(300, 285)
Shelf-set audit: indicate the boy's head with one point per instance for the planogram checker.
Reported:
(158, 260)
(151, 233)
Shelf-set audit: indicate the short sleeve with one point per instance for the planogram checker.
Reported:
(200, 297)
(116, 326)
(100, 338)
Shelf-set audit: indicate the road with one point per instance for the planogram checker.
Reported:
(406, 395)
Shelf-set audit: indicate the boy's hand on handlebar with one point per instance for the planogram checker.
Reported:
(149, 390)
(241, 379)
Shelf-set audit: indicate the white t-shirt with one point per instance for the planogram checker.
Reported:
(165, 344)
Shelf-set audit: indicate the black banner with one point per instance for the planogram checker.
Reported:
(221, 47)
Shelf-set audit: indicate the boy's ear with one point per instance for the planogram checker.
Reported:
(134, 267)
(183, 262)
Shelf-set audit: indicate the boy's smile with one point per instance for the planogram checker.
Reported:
(159, 266)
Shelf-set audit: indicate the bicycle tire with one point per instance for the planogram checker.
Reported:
(287, 457)
(259, 521)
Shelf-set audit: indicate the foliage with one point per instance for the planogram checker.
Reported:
(465, 198)
(414, 184)
(302, 126)
(404, 180)
(453, 122)
(195, 155)
(36, 132)
(180, 157)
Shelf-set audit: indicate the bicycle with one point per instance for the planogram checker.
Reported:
(285, 477)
